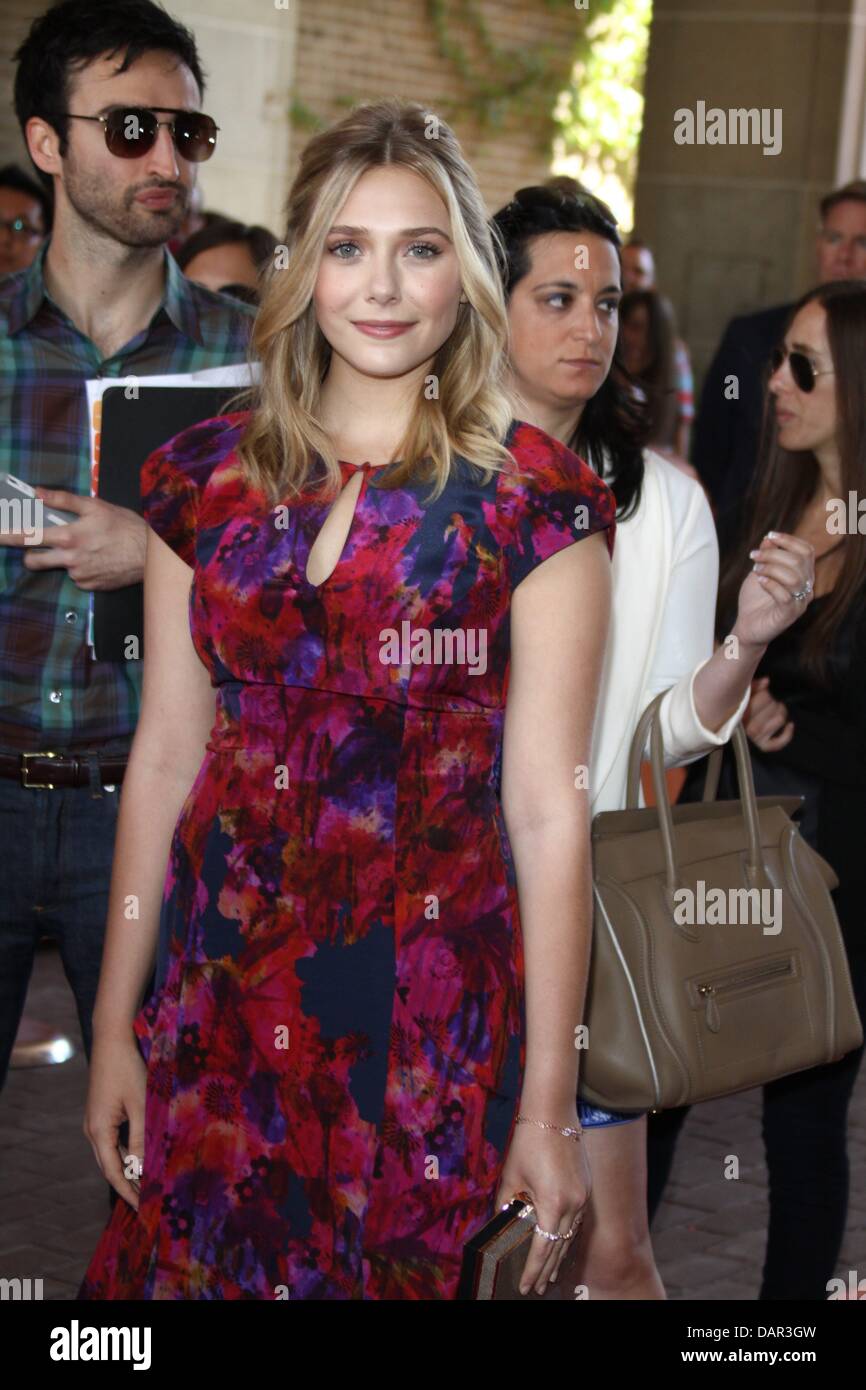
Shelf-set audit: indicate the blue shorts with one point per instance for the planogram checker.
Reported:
(592, 1117)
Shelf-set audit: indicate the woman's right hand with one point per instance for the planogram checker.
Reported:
(766, 720)
(116, 1092)
(766, 607)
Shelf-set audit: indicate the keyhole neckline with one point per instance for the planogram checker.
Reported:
(364, 469)
(367, 466)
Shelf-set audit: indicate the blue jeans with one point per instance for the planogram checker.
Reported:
(593, 1117)
(56, 850)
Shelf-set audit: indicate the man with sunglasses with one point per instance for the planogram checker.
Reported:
(108, 97)
(727, 431)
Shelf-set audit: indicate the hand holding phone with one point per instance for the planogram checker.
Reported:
(18, 504)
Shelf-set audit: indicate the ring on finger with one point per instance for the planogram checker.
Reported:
(556, 1235)
(803, 593)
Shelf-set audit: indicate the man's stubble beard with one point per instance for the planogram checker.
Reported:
(119, 216)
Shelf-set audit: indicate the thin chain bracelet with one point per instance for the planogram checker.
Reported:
(567, 1130)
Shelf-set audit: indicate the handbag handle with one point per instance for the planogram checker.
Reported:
(755, 866)
(714, 772)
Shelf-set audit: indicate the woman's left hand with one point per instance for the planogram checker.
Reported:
(783, 566)
(766, 720)
(554, 1170)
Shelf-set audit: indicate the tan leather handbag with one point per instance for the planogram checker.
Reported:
(717, 959)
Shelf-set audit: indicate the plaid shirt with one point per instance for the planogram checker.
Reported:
(53, 695)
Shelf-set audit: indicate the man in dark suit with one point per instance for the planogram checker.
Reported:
(728, 426)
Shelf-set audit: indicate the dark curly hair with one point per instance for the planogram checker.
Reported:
(614, 422)
(74, 33)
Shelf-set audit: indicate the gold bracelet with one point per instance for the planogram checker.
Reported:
(567, 1130)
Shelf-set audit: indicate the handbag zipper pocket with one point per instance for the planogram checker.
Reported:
(764, 972)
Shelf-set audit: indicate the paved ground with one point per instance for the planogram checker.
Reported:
(708, 1236)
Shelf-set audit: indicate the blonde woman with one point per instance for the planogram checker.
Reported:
(369, 963)
(562, 275)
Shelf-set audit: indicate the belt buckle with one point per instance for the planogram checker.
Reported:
(34, 786)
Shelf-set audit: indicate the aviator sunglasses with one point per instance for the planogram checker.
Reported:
(130, 131)
(803, 372)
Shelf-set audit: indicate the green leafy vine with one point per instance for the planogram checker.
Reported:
(499, 85)
(515, 85)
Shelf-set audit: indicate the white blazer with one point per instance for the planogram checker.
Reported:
(665, 575)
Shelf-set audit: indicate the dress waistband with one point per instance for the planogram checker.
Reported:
(257, 715)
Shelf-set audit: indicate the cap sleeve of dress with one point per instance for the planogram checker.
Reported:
(562, 500)
(173, 477)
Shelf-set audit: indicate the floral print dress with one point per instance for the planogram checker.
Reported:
(335, 1042)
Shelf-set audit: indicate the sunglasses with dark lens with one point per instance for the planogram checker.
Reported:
(130, 131)
(803, 372)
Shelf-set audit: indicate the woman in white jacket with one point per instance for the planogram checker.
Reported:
(561, 271)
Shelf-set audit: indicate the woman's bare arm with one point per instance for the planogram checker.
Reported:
(177, 712)
(559, 622)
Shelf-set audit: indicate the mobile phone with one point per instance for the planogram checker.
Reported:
(13, 489)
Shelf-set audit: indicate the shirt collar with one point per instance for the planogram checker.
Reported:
(178, 298)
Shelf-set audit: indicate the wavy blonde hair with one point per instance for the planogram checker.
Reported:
(473, 409)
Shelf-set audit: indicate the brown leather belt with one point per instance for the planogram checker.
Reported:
(50, 770)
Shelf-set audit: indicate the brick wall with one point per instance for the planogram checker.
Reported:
(388, 48)
(16, 16)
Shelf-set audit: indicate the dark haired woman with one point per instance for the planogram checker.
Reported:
(647, 349)
(562, 278)
(806, 723)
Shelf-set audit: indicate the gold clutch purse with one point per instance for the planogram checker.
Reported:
(493, 1259)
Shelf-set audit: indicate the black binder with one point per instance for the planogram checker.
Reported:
(132, 427)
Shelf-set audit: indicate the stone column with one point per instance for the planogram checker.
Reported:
(732, 227)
